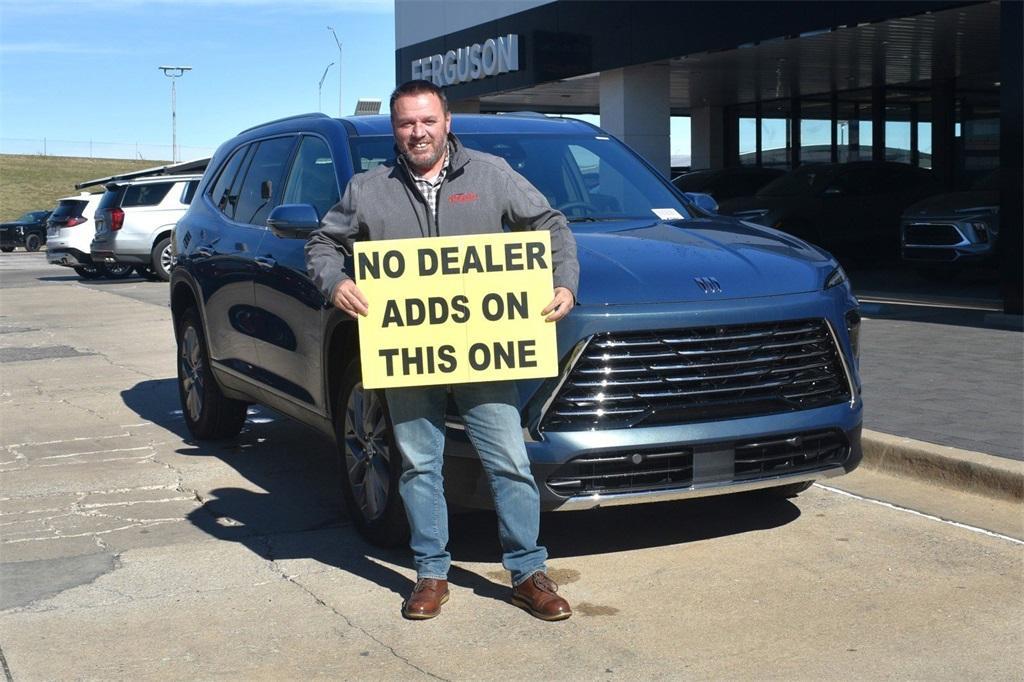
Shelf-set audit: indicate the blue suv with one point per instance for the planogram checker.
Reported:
(706, 355)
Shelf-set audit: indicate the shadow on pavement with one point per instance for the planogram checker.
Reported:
(101, 281)
(295, 509)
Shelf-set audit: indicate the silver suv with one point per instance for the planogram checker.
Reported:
(134, 222)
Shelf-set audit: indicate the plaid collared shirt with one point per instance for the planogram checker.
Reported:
(430, 188)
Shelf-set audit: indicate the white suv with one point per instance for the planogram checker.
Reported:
(69, 233)
(134, 220)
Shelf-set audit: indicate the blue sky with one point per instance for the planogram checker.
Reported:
(80, 70)
(75, 71)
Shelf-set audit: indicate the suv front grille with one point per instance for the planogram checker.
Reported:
(685, 375)
(790, 454)
(675, 467)
(628, 471)
(929, 254)
(927, 234)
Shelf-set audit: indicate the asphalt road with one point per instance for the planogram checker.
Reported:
(128, 551)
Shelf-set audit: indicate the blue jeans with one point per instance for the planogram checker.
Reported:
(492, 422)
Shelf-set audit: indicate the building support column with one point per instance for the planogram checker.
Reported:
(944, 132)
(878, 123)
(707, 138)
(795, 137)
(634, 107)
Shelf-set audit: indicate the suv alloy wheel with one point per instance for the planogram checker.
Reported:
(370, 462)
(161, 259)
(208, 413)
(33, 242)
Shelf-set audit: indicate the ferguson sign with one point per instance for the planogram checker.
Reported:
(473, 62)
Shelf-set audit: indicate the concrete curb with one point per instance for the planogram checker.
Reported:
(962, 470)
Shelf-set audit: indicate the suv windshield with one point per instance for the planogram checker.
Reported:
(804, 180)
(587, 177)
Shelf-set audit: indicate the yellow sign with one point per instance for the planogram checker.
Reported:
(449, 310)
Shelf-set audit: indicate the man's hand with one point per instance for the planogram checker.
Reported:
(347, 297)
(560, 305)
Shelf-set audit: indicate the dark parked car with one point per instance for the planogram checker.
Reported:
(727, 183)
(853, 209)
(949, 230)
(705, 356)
(29, 231)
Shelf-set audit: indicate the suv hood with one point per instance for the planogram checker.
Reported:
(658, 261)
(952, 203)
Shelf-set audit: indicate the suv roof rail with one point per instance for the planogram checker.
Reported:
(523, 114)
(195, 166)
(315, 114)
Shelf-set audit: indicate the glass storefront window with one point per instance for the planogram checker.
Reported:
(977, 136)
(748, 141)
(864, 137)
(775, 142)
(815, 132)
(897, 141)
(924, 144)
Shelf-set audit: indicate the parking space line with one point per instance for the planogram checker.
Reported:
(973, 529)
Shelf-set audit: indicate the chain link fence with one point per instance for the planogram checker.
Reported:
(99, 150)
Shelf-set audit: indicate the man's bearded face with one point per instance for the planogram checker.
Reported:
(421, 130)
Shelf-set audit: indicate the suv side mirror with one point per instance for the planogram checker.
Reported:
(293, 221)
(702, 200)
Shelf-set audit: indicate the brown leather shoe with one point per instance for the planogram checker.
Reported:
(426, 599)
(537, 595)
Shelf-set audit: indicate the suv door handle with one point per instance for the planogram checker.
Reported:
(205, 251)
(265, 262)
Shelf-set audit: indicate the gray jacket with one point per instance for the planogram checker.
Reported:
(479, 194)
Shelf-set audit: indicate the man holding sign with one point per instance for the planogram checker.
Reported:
(439, 189)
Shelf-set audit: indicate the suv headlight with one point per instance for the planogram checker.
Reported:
(981, 231)
(835, 278)
(853, 330)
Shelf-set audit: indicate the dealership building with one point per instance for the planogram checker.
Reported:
(934, 84)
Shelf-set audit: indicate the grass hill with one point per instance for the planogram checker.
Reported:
(29, 183)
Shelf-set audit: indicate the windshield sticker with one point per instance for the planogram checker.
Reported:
(667, 213)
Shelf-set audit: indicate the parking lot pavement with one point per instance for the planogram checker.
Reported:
(128, 551)
(943, 376)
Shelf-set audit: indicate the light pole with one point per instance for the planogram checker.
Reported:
(320, 89)
(331, 29)
(174, 72)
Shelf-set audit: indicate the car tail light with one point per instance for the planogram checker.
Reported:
(116, 219)
(74, 221)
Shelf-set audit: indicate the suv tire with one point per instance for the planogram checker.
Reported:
(90, 271)
(33, 242)
(369, 462)
(160, 259)
(209, 414)
(7, 249)
(118, 270)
